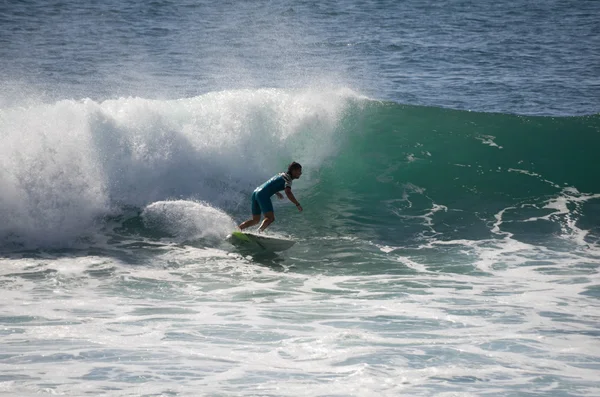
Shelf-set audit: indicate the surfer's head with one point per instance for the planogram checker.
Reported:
(294, 170)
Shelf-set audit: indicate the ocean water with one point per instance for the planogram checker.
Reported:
(450, 238)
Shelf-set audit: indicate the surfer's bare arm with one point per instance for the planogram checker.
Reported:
(279, 195)
(290, 195)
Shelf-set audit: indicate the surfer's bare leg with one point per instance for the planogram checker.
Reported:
(250, 222)
(269, 218)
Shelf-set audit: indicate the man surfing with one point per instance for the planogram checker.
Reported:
(261, 197)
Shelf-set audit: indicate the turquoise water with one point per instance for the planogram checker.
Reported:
(449, 240)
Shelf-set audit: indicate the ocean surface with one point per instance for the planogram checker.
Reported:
(450, 238)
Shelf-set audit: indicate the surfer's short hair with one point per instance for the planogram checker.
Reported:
(294, 166)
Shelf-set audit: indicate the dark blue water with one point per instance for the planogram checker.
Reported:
(477, 55)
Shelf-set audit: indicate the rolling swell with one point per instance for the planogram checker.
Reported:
(409, 173)
(379, 170)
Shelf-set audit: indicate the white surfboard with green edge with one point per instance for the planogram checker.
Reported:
(259, 241)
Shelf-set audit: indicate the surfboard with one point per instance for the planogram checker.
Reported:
(259, 241)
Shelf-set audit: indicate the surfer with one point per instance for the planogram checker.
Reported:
(261, 197)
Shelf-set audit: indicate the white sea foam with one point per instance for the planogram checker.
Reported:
(191, 319)
(65, 164)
